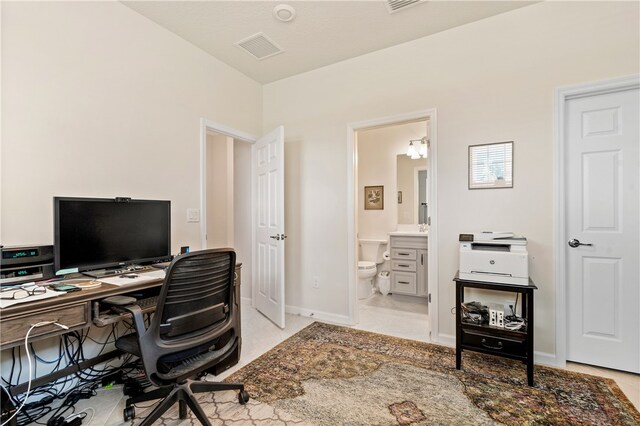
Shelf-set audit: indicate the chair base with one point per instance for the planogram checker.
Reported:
(183, 394)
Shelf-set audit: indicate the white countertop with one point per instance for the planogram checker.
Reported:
(408, 234)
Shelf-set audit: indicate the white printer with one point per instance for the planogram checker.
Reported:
(499, 257)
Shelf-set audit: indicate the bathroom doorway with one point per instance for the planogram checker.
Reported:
(401, 302)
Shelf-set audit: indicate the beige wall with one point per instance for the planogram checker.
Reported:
(229, 200)
(377, 151)
(220, 174)
(490, 81)
(242, 211)
(99, 101)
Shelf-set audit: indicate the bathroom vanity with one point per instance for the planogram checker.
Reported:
(409, 263)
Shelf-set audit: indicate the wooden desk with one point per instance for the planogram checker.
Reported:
(73, 310)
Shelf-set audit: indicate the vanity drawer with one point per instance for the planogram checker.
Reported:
(403, 282)
(403, 265)
(401, 253)
(409, 242)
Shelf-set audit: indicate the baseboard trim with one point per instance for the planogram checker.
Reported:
(446, 340)
(310, 313)
(319, 315)
(545, 358)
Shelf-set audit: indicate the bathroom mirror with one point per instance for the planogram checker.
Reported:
(412, 190)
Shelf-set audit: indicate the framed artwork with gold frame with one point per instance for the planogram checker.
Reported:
(374, 197)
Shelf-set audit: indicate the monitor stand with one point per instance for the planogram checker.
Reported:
(103, 273)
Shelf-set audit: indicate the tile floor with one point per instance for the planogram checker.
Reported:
(400, 316)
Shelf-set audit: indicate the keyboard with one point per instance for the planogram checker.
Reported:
(147, 305)
(148, 302)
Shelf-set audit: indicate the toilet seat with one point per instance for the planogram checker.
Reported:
(364, 265)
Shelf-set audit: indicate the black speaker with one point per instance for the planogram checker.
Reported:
(8, 408)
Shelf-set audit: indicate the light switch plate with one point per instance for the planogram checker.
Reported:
(193, 215)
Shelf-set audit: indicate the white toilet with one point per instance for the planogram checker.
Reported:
(371, 252)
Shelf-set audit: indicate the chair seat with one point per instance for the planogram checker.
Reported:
(188, 366)
(129, 344)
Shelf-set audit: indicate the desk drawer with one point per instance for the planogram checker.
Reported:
(15, 328)
(496, 344)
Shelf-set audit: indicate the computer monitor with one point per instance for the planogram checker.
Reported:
(94, 234)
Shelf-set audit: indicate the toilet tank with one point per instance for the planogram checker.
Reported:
(372, 250)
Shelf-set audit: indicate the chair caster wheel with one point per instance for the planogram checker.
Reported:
(129, 413)
(243, 397)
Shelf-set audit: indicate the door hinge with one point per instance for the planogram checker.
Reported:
(429, 298)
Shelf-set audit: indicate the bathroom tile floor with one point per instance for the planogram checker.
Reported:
(393, 315)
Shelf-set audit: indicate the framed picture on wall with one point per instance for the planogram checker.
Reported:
(374, 197)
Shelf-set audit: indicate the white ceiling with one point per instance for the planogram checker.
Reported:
(323, 32)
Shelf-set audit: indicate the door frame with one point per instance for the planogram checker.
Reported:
(562, 95)
(352, 212)
(209, 125)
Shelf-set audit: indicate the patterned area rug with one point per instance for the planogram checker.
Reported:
(331, 375)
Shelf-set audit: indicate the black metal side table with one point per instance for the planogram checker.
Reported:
(514, 344)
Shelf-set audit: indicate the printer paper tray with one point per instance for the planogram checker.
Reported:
(494, 278)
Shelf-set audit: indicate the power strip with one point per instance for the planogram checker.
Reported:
(496, 315)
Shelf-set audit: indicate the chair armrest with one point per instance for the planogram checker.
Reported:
(136, 313)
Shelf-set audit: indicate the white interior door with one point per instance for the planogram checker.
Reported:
(268, 225)
(603, 233)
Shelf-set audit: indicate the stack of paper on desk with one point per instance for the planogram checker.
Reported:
(134, 278)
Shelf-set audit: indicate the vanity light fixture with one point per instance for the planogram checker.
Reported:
(422, 150)
(424, 144)
(412, 152)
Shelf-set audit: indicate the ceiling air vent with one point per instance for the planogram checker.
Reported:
(397, 5)
(259, 46)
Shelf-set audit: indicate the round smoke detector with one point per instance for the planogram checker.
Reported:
(284, 13)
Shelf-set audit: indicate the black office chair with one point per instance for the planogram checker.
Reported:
(194, 328)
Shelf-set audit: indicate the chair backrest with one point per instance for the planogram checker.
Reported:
(195, 308)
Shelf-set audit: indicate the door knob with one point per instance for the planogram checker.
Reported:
(575, 243)
(278, 237)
